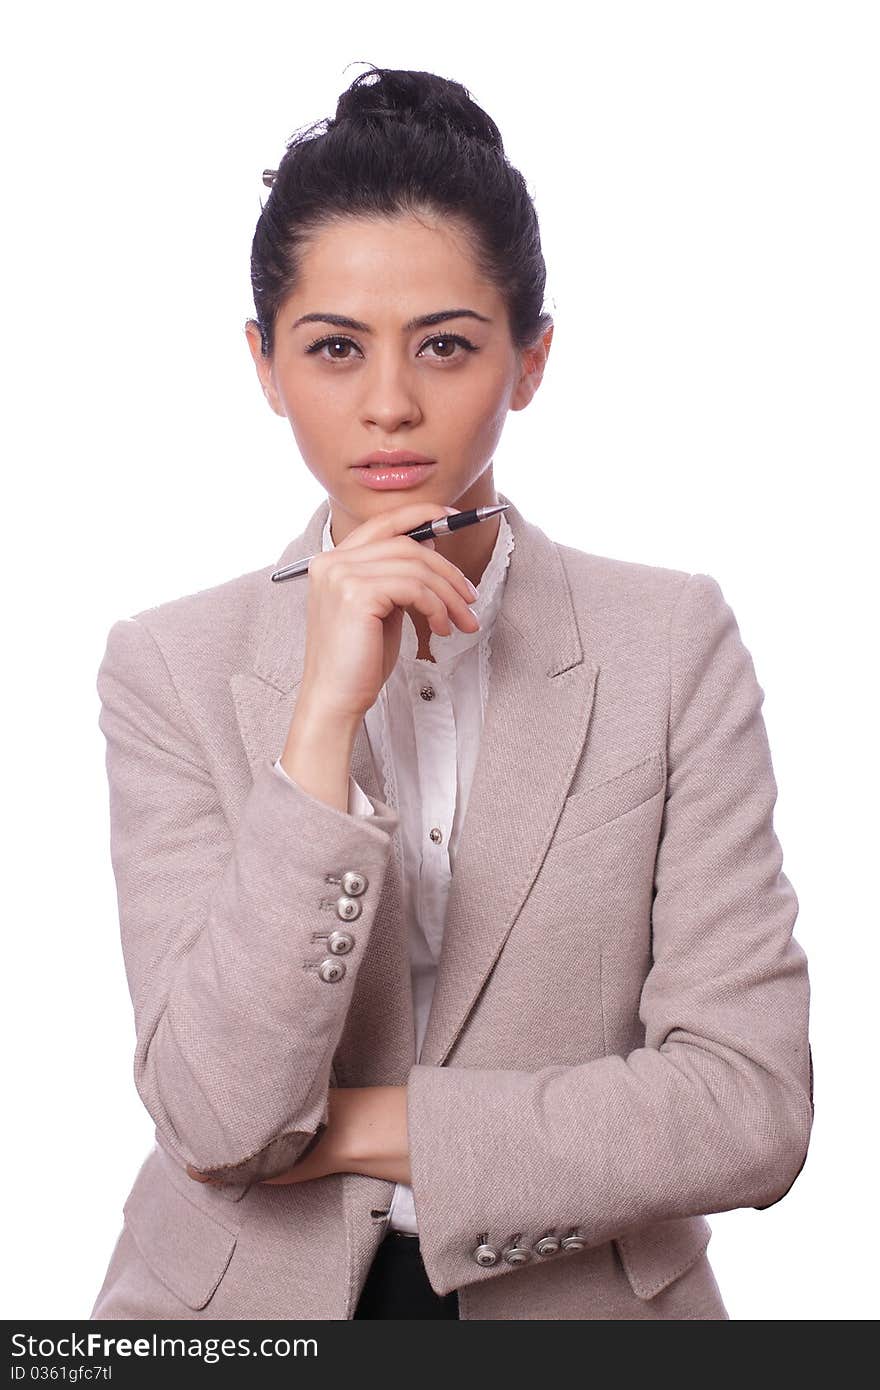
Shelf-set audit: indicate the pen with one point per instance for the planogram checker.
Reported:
(427, 530)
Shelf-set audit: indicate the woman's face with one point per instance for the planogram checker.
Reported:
(441, 390)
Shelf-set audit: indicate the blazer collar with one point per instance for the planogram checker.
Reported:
(540, 700)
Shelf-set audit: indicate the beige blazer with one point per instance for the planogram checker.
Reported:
(618, 1041)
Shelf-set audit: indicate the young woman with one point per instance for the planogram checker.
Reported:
(453, 914)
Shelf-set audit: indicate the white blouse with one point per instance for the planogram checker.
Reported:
(426, 765)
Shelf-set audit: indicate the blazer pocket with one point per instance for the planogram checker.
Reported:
(655, 1256)
(604, 801)
(186, 1248)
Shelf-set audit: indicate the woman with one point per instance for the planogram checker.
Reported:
(405, 1061)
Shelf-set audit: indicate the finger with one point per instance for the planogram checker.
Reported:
(406, 548)
(202, 1177)
(412, 584)
(395, 522)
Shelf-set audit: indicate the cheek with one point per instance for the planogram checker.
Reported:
(481, 410)
(312, 399)
(313, 410)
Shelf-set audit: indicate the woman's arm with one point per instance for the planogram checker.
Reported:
(365, 1133)
(217, 924)
(714, 1111)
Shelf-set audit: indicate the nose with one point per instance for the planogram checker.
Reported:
(390, 397)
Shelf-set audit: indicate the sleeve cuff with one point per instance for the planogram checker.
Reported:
(359, 804)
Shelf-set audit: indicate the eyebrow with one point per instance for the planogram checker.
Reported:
(422, 321)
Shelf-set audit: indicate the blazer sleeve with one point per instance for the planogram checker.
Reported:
(715, 1111)
(223, 928)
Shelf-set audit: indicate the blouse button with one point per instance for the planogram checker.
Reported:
(427, 692)
(436, 834)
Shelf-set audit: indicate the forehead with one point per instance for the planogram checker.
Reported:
(403, 263)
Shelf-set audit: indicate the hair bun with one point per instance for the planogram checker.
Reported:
(419, 97)
(402, 142)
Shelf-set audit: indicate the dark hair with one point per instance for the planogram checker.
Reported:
(408, 142)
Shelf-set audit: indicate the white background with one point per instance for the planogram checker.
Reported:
(705, 175)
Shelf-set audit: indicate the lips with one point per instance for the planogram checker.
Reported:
(391, 458)
(385, 476)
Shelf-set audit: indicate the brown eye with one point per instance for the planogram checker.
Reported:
(446, 342)
(450, 341)
(331, 343)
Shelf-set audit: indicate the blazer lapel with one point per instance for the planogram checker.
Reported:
(540, 701)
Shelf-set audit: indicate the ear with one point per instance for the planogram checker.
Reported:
(263, 365)
(534, 360)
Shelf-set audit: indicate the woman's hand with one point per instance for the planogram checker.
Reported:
(366, 1133)
(336, 1144)
(357, 595)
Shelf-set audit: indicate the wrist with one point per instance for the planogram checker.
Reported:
(318, 751)
(376, 1138)
(343, 1122)
(315, 718)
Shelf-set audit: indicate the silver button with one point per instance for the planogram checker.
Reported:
(574, 1242)
(348, 909)
(436, 834)
(517, 1254)
(354, 883)
(427, 692)
(547, 1245)
(339, 942)
(485, 1255)
(331, 970)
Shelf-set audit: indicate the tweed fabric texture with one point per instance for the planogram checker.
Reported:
(617, 1042)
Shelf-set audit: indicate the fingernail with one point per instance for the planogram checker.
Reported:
(450, 510)
(473, 589)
